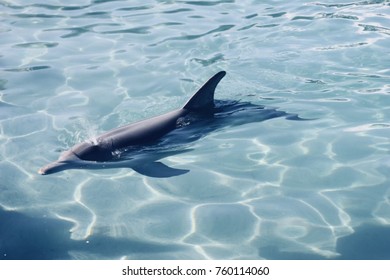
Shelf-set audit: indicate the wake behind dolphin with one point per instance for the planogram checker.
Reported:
(140, 145)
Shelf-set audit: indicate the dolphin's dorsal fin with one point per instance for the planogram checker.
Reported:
(203, 99)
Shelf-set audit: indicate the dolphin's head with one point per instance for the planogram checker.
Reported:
(78, 157)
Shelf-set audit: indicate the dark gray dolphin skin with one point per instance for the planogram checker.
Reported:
(101, 152)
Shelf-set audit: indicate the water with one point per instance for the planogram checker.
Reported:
(276, 189)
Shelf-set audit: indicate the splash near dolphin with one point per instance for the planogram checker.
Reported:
(143, 143)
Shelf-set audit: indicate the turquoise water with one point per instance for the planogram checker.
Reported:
(275, 189)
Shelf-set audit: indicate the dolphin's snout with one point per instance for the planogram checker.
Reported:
(54, 167)
(42, 171)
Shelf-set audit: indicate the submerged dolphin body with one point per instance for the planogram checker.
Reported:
(140, 145)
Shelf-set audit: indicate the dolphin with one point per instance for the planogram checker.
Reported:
(141, 145)
(100, 152)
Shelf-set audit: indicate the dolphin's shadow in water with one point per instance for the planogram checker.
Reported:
(227, 113)
(26, 238)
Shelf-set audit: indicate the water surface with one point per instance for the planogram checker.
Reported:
(275, 189)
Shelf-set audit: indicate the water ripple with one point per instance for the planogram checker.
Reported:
(359, 3)
(135, 30)
(206, 62)
(37, 45)
(221, 28)
(77, 31)
(37, 15)
(27, 69)
(375, 28)
(207, 3)
(175, 11)
(135, 8)
(326, 15)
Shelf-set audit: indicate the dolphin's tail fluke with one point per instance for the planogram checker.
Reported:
(203, 99)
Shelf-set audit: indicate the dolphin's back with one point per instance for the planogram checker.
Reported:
(143, 132)
(203, 99)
